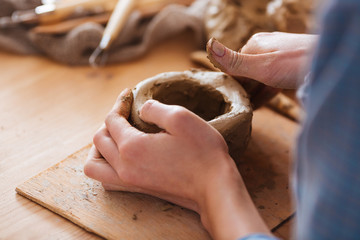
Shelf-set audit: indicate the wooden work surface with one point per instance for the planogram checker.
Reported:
(49, 111)
(65, 190)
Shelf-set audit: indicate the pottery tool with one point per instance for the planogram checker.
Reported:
(116, 22)
(53, 11)
(118, 19)
(66, 26)
(58, 11)
(146, 8)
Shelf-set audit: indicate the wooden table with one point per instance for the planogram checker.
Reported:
(49, 111)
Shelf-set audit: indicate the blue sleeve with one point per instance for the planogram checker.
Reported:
(258, 236)
(328, 151)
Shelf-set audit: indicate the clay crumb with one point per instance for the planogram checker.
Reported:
(127, 98)
(167, 206)
(165, 209)
(134, 217)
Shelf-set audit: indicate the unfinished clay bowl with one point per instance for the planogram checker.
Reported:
(214, 96)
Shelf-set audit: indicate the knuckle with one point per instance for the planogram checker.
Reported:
(246, 49)
(98, 137)
(88, 170)
(235, 61)
(179, 115)
(253, 45)
(146, 107)
(125, 175)
(130, 149)
(123, 148)
(131, 161)
(124, 170)
(259, 35)
(108, 120)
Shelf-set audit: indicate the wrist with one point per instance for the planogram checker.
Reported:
(226, 208)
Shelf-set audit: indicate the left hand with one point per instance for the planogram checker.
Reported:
(267, 63)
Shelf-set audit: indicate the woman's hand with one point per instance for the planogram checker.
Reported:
(165, 164)
(188, 164)
(277, 60)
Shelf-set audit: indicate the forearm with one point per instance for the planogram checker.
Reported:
(228, 211)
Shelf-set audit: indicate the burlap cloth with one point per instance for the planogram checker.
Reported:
(76, 46)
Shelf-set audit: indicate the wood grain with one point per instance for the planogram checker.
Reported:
(65, 190)
(47, 112)
(266, 163)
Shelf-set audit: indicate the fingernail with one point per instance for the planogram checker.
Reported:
(146, 105)
(217, 48)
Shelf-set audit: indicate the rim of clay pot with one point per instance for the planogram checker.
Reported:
(213, 88)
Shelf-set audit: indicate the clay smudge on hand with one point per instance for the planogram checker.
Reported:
(126, 98)
(212, 55)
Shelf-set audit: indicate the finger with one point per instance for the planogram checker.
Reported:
(107, 147)
(116, 121)
(93, 153)
(175, 120)
(123, 103)
(254, 66)
(99, 169)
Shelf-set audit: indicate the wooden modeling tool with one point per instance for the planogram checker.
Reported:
(146, 8)
(56, 12)
(66, 26)
(118, 19)
(116, 22)
(59, 10)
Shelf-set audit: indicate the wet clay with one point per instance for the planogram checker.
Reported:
(203, 100)
(233, 22)
(295, 16)
(214, 96)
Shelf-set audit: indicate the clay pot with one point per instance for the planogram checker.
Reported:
(214, 96)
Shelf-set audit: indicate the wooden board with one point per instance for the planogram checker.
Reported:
(65, 190)
(49, 111)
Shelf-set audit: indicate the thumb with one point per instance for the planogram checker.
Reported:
(254, 66)
(123, 103)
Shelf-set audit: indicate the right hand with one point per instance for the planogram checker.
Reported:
(275, 59)
(188, 164)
